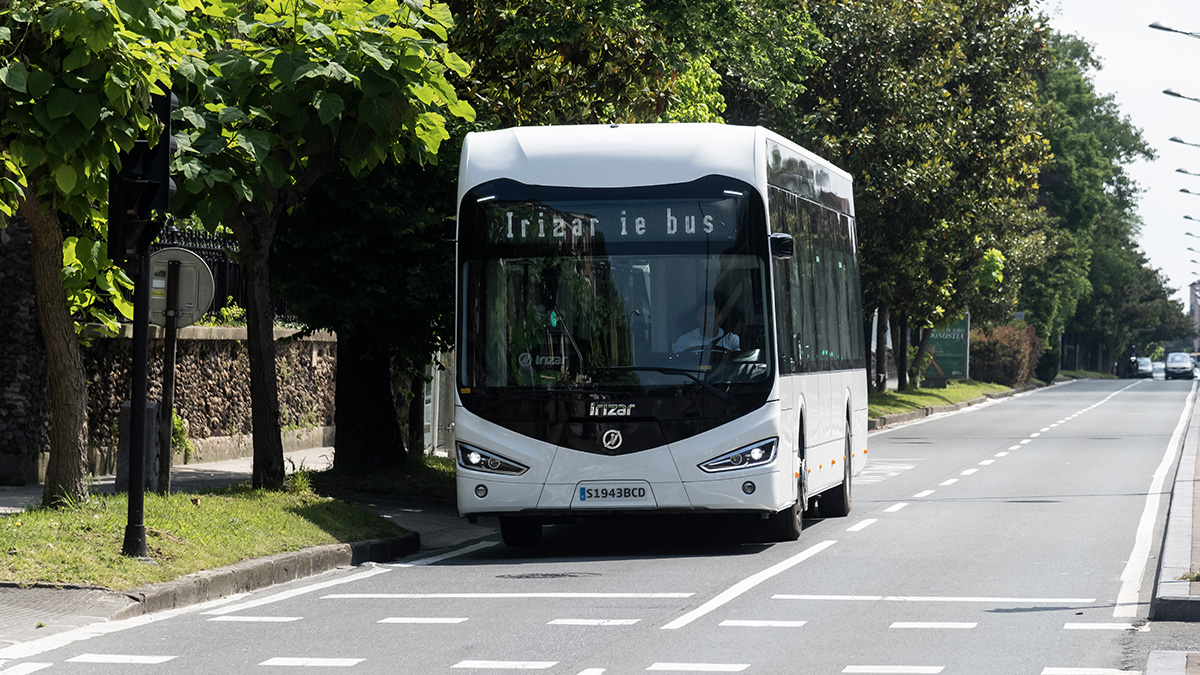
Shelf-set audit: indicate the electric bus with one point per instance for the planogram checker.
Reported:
(655, 318)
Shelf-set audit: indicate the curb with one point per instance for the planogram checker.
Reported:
(1173, 600)
(884, 421)
(259, 573)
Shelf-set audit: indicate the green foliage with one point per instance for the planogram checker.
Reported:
(700, 99)
(90, 281)
(231, 315)
(1005, 355)
(180, 441)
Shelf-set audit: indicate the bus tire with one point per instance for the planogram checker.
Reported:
(836, 502)
(784, 525)
(520, 531)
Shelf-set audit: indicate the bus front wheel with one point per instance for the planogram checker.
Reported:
(785, 525)
(520, 531)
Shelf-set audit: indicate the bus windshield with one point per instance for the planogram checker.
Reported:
(612, 289)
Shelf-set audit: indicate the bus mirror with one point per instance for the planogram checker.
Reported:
(782, 245)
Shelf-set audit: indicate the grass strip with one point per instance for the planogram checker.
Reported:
(956, 391)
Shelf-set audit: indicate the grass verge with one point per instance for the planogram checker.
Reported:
(430, 476)
(185, 533)
(956, 391)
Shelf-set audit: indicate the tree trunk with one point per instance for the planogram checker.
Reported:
(881, 349)
(901, 352)
(922, 346)
(368, 433)
(254, 241)
(66, 473)
(416, 413)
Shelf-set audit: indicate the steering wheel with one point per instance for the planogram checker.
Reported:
(716, 349)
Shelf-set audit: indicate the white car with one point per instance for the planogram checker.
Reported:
(1178, 366)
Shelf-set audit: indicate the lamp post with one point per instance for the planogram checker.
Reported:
(1176, 139)
(1158, 25)
(1189, 192)
(1175, 94)
(1185, 171)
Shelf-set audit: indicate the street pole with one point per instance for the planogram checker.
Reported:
(167, 413)
(134, 545)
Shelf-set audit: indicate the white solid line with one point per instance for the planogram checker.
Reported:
(494, 596)
(141, 659)
(895, 507)
(1135, 569)
(286, 595)
(987, 462)
(701, 667)
(26, 668)
(445, 556)
(933, 624)
(923, 493)
(968, 472)
(423, 619)
(748, 623)
(593, 622)
(951, 481)
(257, 619)
(310, 661)
(746, 584)
(861, 525)
(506, 665)
(1085, 671)
(897, 669)
(928, 598)
(1104, 626)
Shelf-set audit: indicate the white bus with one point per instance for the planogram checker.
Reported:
(658, 318)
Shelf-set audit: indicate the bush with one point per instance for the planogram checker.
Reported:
(1006, 355)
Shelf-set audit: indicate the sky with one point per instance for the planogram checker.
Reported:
(1137, 64)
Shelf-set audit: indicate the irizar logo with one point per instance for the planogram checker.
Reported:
(525, 360)
(611, 409)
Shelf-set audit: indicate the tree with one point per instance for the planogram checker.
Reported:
(932, 107)
(77, 77)
(286, 93)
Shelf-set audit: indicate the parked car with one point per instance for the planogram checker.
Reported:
(1143, 367)
(1178, 366)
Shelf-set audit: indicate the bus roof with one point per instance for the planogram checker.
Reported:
(621, 155)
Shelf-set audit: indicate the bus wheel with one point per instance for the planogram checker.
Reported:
(836, 502)
(784, 525)
(519, 531)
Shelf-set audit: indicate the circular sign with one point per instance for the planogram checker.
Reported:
(194, 282)
(612, 439)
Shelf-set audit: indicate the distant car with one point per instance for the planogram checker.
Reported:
(1159, 370)
(1144, 367)
(1178, 366)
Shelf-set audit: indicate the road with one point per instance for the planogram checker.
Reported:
(1014, 537)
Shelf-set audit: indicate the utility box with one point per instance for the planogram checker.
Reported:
(123, 433)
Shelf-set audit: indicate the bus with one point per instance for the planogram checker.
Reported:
(655, 318)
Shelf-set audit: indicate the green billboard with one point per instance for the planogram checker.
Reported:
(949, 349)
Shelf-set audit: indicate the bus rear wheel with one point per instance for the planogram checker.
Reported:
(520, 531)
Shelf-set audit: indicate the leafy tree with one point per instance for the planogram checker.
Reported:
(932, 107)
(77, 77)
(288, 91)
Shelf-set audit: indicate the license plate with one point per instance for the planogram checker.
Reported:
(613, 494)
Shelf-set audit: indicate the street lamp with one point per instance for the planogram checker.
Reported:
(1189, 192)
(1158, 25)
(1172, 92)
(1190, 173)
(1176, 139)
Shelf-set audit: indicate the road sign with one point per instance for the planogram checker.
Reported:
(196, 286)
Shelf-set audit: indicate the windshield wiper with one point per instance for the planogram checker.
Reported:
(724, 396)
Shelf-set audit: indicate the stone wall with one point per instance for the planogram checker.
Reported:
(212, 385)
(24, 397)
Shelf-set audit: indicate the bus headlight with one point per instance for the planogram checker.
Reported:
(758, 454)
(471, 457)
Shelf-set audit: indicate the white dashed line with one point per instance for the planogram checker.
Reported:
(898, 670)
(26, 668)
(593, 622)
(1085, 671)
(506, 665)
(987, 462)
(923, 493)
(1105, 626)
(1025, 442)
(933, 598)
(1035, 434)
(498, 596)
(1016, 447)
(139, 659)
(423, 619)
(747, 623)
(951, 481)
(592, 671)
(1002, 454)
(933, 624)
(700, 667)
(968, 472)
(308, 661)
(895, 507)
(861, 525)
(257, 619)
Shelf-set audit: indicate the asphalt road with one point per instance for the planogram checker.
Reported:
(1009, 538)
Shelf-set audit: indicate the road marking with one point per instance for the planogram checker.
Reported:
(593, 622)
(897, 669)
(1135, 569)
(923, 493)
(423, 619)
(311, 661)
(506, 665)
(700, 667)
(968, 472)
(746, 584)
(933, 624)
(286, 595)
(1002, 454)
(951, 481)
(140, 659)
(26, 668)
(445, 556)
(861, 525)
(749, 623)
(495, 596)
(987, 462)
(895, 507)
(1016, 447)
(1035, 434)
(1105, 626)
(592, 671)
(1025, 442)
(1088, 671)
(257, 619)
(931, 598)
(1044, 430)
